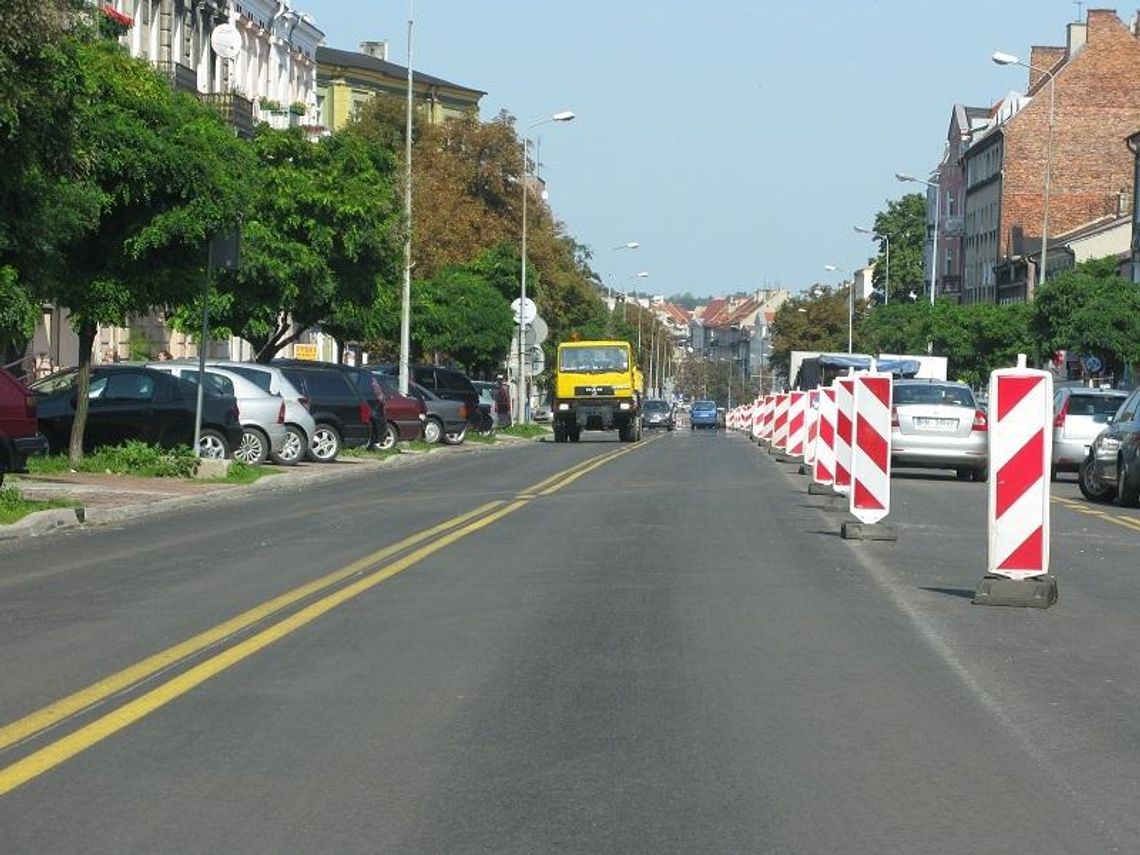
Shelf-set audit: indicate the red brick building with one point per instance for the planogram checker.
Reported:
(1096, 76)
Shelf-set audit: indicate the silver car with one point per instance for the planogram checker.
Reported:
(299, 423)
(937, 424)
(262, 415)
(1079, 414)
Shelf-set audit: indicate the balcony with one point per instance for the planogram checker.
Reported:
(182, 78)
(234, 108)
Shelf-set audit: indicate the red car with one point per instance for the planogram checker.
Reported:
(405, 414)
(20, 435)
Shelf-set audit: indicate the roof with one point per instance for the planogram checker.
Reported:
(365, 62)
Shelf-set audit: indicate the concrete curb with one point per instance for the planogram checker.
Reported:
(42, 522)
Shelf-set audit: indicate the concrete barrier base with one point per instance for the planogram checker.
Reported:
(786, 458)
(804, 469)
(869, 531)
(1038, 592)
(835, 503)
(815, 489)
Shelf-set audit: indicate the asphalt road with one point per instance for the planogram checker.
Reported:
(666, 651)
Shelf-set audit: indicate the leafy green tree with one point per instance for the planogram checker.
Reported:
(460, 313)
(18, 316)
(166, 173)
(1090, 310)
(383, 121)
(322, 236)
(814, 321)
(904, 224)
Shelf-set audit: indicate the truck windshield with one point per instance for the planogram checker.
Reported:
(586, 359)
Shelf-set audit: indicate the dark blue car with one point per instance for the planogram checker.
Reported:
(702, 415)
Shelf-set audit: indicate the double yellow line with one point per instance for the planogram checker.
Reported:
(1130, 523)
(371, 569)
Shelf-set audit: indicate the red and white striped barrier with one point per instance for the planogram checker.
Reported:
(780, 422)
(1020, 453)
(797, 423)
(769, 419)
(757, 417)
(823, 468)
(812, 427)
(870, 495)
(844, 413)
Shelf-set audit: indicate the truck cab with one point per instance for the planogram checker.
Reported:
(596, 387)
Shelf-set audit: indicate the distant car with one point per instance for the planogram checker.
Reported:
(1079, 414)
(262, 414)
(937, 424)
(703, 415)
(447, 420)
(657, 414)
(20, 435)
(406, 414)
(344, 417)
(1112, 468)
(447, 383)
(133, 402)
(299, 424)
(543, 414)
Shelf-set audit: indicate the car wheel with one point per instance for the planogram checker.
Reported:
(325, 447)
(433, 431)
(980, 474)
(254, 447)
(292, 450)
(1127, 493)
(455, 437)
(212, 445)
(964, 474)
(1090, 487)
(388, 440)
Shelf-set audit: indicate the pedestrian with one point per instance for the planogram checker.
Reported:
(164, 356)
(502, 401)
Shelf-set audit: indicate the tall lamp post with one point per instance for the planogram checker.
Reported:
(625, 297)
(1008, 59)
(520, 386)
(902, 176)
(887, 239)
(831, 268)
(610, 290)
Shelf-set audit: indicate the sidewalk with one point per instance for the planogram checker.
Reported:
(107, 498)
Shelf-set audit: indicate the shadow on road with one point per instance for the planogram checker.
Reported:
(964, 593)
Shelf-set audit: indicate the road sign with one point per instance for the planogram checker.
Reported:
(541, 330)
(305, 351)
(537, 360)
(529, 310)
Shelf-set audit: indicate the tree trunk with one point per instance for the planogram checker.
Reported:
(82, 388)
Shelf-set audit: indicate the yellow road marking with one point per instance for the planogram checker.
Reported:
(1130, 523)
(63, 749)
(68, 746)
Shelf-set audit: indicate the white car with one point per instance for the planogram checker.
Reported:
(299, 423)
(1079, 414)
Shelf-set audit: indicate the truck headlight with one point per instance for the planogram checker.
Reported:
(624, 405)
(563, 406)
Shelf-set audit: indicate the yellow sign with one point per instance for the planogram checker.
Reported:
(305, 351)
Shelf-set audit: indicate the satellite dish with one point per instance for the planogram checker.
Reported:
(226, 41)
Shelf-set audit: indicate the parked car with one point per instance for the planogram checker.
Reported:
(20, 435)
(133, 402)
(406, 414)
(446, 420)
(1112, 467)
(937, 424)
(446, 383)
(656, 413)
(344, 418)
(299, 424)
(1079, 414)
(702, 415)
(262, 414)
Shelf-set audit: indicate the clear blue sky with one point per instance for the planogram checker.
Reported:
(737, 140)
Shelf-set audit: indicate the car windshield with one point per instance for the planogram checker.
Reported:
(601, 358)
(1094, 405)
(656, 407)
(933, 393)
(704, 406)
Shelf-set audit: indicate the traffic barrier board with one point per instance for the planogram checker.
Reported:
(797, 423)
(844, 413)
(823, 468)
(870, 495)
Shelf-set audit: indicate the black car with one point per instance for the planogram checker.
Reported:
(344, 417)
(1112, 468)
(448, 383)
(656, 413)
(132, 402)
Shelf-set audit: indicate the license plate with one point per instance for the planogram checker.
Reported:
(936, 424)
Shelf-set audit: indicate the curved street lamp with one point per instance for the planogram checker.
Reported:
(902, 176)
(564, 116)
(1001, 58)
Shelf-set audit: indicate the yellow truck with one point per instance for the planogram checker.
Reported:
(597, 386)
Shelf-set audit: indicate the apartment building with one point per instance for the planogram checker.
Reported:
(1091, 89)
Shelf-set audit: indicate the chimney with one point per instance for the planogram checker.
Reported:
(1078, 35)
(376, 50)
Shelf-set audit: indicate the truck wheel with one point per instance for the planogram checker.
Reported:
(559, 432)
(575, 433)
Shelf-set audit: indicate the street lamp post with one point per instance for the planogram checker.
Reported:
(887, 239)
(901, 176)
(520, 386)
(850, 303)
(625, 297)
(610, 289)
(1008, 59)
